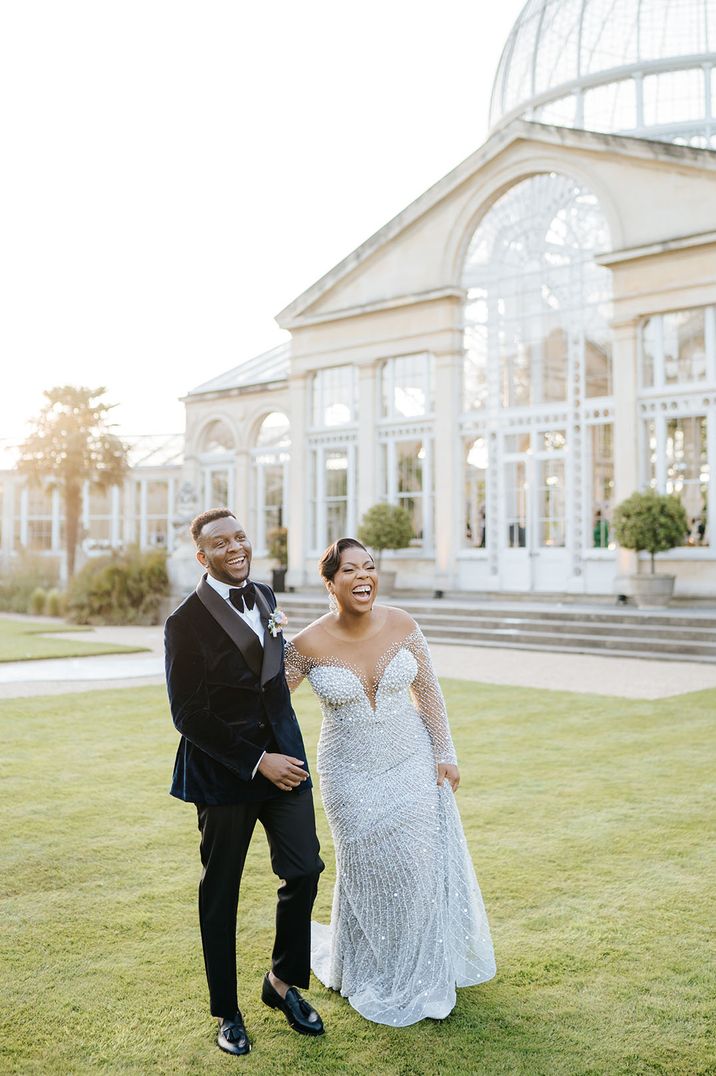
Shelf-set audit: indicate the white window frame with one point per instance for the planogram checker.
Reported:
(317, 401)
(590, 552)
(316, 517)
(660, 419)
(389, 482)
(208, 470)
(387, 380)
(261, 458)
(660, 387)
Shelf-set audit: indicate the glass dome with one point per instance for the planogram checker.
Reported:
(641, 67)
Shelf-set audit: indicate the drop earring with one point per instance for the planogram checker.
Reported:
(332, 603)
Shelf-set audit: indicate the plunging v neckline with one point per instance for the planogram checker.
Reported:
(385, 661)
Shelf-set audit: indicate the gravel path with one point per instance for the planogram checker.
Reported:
(629, 678)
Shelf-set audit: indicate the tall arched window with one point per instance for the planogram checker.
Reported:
(270, 457)
(537, 358)
(536, 298)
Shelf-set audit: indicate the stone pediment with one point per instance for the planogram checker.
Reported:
(417, 256)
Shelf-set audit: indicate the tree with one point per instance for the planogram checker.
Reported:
(277, 539)
(386, 526)
(652, 521)
(71, 442)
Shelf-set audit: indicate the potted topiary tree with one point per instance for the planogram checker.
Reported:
(386, 526)
(654, 522)
(278, 549)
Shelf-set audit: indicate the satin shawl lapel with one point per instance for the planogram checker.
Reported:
(273, 646)
(237, 629)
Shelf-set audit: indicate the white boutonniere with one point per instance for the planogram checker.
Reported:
(277, 621)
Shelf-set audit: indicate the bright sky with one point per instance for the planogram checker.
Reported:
(175, 173)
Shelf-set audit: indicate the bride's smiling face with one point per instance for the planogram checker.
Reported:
(355, 584)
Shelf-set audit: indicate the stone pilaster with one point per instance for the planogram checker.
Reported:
(298, 483)
(447, 468)
(242, 488)
(367, 438)
(626, 428)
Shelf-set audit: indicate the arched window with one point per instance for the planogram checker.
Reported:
(217, 439)
(537, 355)
(216, 453)
(537, 300)
(270, 458)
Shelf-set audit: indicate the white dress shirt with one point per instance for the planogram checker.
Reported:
(252, 617)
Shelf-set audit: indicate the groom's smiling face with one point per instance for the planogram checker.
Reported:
(225, 551)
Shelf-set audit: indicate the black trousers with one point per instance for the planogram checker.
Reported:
(226, 832)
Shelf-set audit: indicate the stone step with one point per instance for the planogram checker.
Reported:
(681, 630)
(597, 651)
(446, 612)
(630, 643)
(507, 636)
(456, 625)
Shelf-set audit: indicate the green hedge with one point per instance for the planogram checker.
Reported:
(19, 582)
(126, 588)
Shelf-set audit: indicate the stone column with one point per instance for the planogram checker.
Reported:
(242, 487)
(116, 524)
(448, 468)
(24, 529)
(626, 432)
(56, 542)
(368, 491)
(8, 515)
(298, 483)
(143, 513)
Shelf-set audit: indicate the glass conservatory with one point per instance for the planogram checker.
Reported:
(639, 67)
(540, 345)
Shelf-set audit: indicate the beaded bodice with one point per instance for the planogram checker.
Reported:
(382, 716)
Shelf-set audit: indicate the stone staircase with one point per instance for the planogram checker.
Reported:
(676, 634)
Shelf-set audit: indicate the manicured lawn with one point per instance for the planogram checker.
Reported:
(23, 640)
(588, 821)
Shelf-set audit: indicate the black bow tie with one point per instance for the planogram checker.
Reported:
(243, 598)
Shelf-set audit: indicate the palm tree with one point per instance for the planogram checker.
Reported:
(71, 442)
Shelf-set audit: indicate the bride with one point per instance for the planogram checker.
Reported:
(408, 924)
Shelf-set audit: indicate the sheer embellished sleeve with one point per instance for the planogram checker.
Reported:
(429, 701)
(297, 665)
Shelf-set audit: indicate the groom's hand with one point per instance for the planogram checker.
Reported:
(451, 774)
(283, 770)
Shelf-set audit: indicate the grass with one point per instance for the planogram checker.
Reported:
(24, 640)
(588, 822)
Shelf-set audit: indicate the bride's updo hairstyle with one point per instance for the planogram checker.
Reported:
(331, 559)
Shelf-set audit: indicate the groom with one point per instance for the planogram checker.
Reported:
(241, 760)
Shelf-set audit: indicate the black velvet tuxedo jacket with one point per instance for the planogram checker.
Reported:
(229, 700)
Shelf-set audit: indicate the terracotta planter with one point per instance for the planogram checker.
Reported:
(653, 591)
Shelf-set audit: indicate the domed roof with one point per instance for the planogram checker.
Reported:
(638, 66)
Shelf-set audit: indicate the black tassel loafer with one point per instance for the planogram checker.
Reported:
(232, 1037)
(301, 1016)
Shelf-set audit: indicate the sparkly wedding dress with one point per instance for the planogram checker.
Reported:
(408, 923)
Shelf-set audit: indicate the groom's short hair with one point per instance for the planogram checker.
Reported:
(200, 521)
